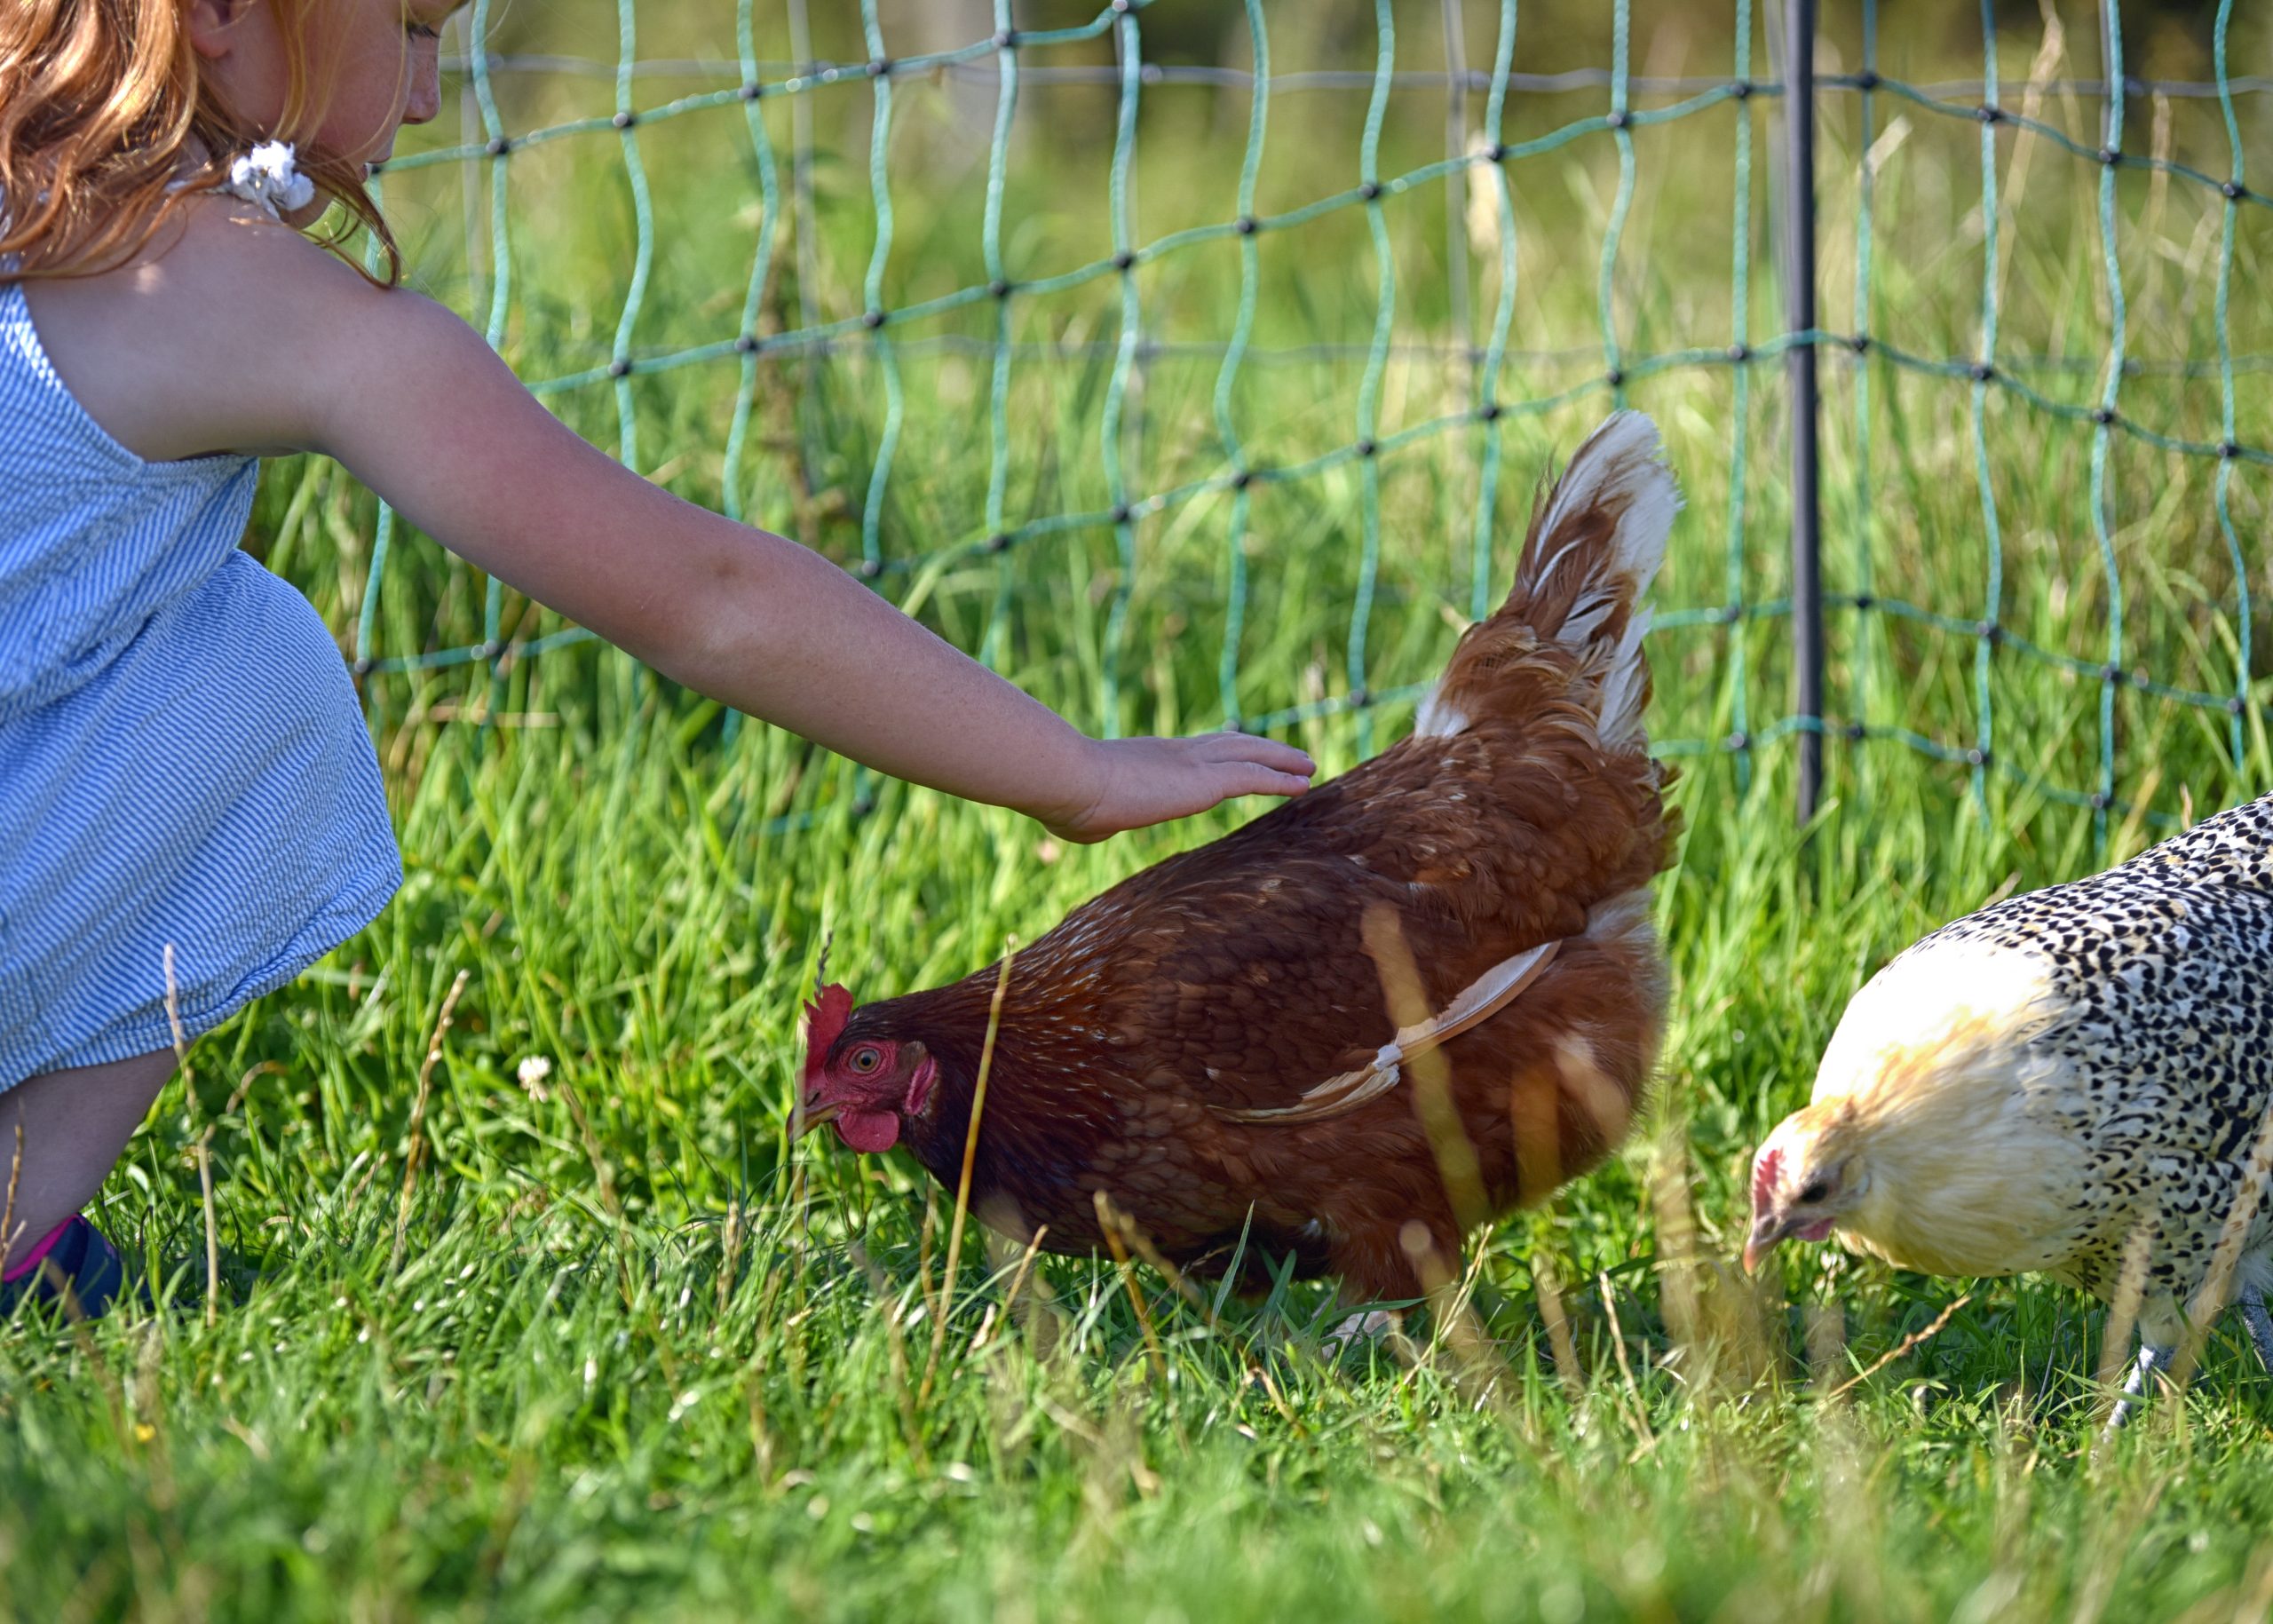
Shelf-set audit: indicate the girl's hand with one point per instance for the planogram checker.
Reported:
(1149, 781)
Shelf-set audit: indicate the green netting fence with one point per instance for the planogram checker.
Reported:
(807, 144)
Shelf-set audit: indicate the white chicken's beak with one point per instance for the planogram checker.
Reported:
(1768, 1230)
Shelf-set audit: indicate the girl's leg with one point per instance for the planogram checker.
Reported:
(74, 1123)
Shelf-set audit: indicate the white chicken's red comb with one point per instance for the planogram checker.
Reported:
(1763, 1176)
(825, 1018)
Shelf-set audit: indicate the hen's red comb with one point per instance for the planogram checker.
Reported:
(1763, 1176)
(825, 1018)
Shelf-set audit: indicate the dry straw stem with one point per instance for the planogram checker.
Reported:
(1826, 1334)
(2131, 837)
(970, 1155)
(1677, 1286)
(1141, 1243)
(2123, 1313)
(1457, 1164)
(605, 1179)
(1637, 1411)
(1112, 1222)
(2049, 54)
(1915, 1339)
(761, 1436)
(1559, 1340)
(933, 1302)
(730, 1254)
(1431, 1071)
(1477, 1369)
(1011, 1313)
(796, 1124)
(1844, 1464)
(1712, 1322)
(1026, 1266)
(205, 1163)
(416, 1151)
(2216, 1290)
(8, 1235)
(1259, 1374)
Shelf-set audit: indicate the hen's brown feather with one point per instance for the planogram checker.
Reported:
(1234, 978)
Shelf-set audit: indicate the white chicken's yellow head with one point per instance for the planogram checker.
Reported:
(1806, 1176)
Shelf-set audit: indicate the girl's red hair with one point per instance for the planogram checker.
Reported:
(107, 125)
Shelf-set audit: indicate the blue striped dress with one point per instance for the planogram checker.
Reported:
(183, 761)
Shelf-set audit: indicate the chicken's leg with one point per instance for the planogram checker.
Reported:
(2260, 1322)
(2150, 1359)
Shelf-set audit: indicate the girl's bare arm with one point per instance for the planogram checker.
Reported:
(412, 400)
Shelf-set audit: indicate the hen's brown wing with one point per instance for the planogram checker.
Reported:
(1242, 974)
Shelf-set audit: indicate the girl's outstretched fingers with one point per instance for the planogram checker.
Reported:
(1262, 767)
(1149, 781)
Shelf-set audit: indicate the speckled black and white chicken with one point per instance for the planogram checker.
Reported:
(2021, 1090)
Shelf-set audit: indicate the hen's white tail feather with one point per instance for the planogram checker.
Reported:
(1592, 551)
(1623, 689)
(1621, 466)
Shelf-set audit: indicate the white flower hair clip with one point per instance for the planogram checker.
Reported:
(268, 176)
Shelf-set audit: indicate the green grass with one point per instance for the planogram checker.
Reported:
(602, 1343)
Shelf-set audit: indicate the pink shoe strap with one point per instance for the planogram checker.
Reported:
(17, 1271)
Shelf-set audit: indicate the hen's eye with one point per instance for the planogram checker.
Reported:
(865, 1060)
(1814, 1193)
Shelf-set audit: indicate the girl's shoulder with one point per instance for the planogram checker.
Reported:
(207, 340)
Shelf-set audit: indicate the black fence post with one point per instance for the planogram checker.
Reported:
(1799, 298)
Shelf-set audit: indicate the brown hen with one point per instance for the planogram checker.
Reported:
(1212, 1042)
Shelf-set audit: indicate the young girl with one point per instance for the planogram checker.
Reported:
(186, 786)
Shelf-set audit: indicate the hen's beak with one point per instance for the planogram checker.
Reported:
(811, 1115)
(1768, 1229)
